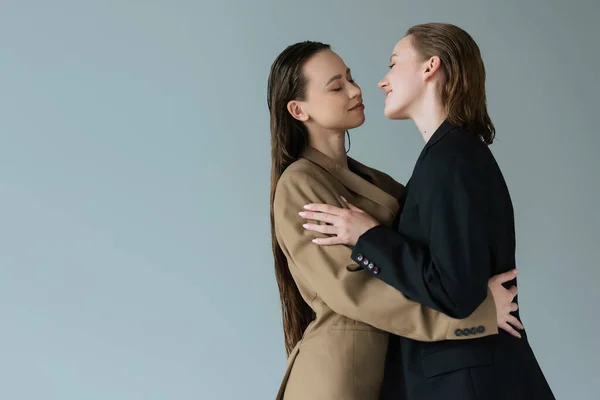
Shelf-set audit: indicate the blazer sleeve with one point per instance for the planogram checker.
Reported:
(451, 273)
(351, 291)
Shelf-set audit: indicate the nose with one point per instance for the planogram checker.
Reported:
(383, 83)
(355, 91)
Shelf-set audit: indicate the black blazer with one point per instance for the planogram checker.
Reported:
(456, 230)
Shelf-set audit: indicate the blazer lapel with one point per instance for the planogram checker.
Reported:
(445, 127)
(352, 181)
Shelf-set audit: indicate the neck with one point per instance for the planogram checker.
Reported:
(429, 115)
(330, 143)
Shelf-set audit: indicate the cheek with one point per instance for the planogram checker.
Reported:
(403, 93)
(404, 88)
(329, 112)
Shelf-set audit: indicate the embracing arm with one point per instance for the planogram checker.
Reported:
(451, 273)
(351, 291)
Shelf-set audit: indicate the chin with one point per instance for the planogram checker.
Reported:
(395, 114)
(356, 123)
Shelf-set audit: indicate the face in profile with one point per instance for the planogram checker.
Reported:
(404, 84)
(333, 100)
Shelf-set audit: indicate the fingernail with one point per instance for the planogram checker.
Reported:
(343, 198)
(302, 214)
(315, 241)
(307, 207)
(305, 226)
(519, 336)
(516, 271)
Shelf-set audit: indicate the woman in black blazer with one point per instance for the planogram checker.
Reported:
(457, 218)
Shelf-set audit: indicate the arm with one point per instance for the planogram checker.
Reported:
(351, 291)
(451, 274)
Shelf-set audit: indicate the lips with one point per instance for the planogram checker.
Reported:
(359, 105)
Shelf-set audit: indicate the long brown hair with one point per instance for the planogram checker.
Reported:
(289, 137)
(463, 93)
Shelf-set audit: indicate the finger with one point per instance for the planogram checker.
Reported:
(328, 241)
(352, 206)
(327, 229)
(513, 290)
(514, 321)
(514, 307)
(506, 276)
(316, 216)
(504, 326)
(325, 208)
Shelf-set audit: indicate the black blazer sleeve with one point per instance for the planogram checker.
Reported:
(451, 273)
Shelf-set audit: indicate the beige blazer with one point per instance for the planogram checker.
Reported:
(342, 352)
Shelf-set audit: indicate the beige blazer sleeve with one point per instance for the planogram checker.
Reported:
(350, 291)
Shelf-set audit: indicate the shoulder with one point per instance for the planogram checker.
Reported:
(304, 181)
(302, 172)
(301, 183)
(459, 159)
(457, 149)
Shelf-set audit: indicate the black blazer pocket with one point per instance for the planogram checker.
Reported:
(454, 359)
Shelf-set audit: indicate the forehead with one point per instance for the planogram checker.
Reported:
(403, 47)
(323, 65)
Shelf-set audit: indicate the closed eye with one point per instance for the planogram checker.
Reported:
(352, 81)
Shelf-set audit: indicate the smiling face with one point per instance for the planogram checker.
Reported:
(333, 100)
(405, 84)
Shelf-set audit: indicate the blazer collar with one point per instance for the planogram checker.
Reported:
(353, 181)
(440, 132)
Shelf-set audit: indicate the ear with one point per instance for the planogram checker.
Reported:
(432, 67)
(296, 108)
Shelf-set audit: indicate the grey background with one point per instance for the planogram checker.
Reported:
(135, 260)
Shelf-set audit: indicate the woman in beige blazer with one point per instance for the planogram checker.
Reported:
(336, 317)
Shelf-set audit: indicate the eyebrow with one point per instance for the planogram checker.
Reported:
(338, 76)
